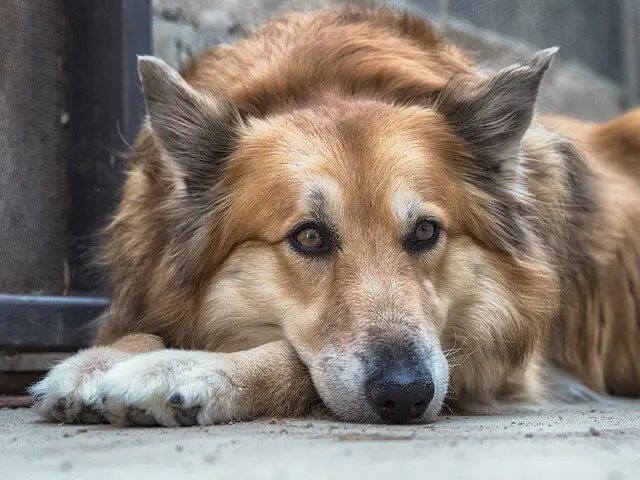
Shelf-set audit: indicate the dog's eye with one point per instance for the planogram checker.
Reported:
(310, 238)
(425, 235)
(425, 231)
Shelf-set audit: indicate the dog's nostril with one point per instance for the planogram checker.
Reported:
(420, 403)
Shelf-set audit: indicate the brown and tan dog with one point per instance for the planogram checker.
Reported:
(341, 208)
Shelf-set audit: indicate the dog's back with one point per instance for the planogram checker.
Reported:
(598, 335)
(368, 51)
(616, 142)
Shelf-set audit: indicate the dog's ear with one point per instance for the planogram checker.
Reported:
(492, 115)
(196, 132)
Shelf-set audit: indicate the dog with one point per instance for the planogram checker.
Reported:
(341, 210)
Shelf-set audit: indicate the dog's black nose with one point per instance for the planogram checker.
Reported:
(400, 397)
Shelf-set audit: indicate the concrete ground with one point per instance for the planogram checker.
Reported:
(561, 442)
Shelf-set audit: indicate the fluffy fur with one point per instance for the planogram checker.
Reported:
(361, 120)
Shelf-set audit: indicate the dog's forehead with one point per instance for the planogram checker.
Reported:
(371, 157)
(360, 162)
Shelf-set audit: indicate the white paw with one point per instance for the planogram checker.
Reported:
(69, 392)
(170, 388)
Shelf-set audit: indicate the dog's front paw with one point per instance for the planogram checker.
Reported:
(68, 393)
(170, 388)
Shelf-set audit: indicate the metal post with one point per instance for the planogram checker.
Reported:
(631, 50)
(105, 106)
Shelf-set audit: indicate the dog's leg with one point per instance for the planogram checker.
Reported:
(181, 387)
(69, 392)
(564, 388)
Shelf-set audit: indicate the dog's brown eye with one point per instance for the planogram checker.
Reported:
(425, 235)
(425, 230)
(310, 238)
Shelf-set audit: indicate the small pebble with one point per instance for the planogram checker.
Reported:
(179, 448)
(593, 432)
(528, 435)
(82, 430)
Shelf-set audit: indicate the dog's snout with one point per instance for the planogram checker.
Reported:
(400, 397)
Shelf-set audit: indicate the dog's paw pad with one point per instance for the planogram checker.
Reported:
(138, 416)
(90, 415)
(187, 417)
(57, 411)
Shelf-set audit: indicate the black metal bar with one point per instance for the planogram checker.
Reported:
(54, 323)
(105, 107)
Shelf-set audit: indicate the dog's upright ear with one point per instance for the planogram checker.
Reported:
(492, 115)
(195, 132)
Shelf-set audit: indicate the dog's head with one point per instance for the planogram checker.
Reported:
(388, 243)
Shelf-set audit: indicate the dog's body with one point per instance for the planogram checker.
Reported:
(341, 208)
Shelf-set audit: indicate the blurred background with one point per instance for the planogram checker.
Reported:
(70, 105)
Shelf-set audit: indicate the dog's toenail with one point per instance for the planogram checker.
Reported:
(176, 399)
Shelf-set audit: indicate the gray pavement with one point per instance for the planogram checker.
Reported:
(586, 442)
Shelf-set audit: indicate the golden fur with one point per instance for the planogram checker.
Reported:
(363, 117)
